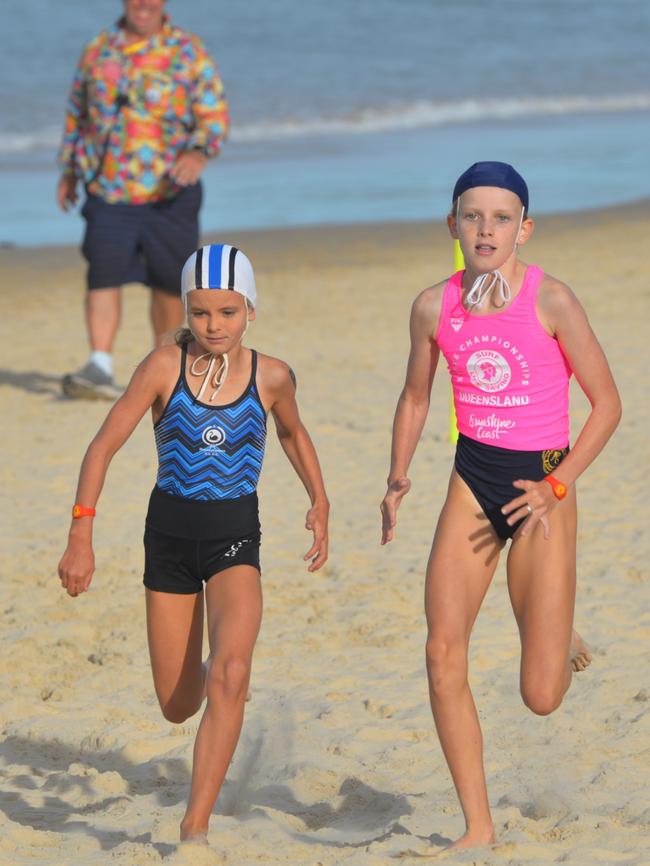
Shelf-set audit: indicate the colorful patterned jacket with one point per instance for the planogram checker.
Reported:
(134, 108)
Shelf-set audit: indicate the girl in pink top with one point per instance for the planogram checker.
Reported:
(511, 336)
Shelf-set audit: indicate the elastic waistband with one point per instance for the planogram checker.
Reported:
(203, 518)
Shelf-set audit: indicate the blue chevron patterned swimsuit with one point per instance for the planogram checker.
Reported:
(203, 511)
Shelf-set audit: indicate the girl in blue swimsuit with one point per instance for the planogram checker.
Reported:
(209, 397)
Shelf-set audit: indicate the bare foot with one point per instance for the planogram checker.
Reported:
(580, 653)
(473, 839)
(470, 839)
(193, 834)
(194, 838)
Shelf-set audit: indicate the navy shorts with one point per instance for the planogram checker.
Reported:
(140, 243)
(188, 541)
(489, 472)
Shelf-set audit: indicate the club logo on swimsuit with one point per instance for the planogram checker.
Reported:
(214, 436)
(456, 323)
(551, 459)
(488, 370)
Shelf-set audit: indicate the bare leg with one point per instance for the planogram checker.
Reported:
(234, 605)
(175, 632)
(103, 311)
(167, 315)
(463, 559)
(542, 584)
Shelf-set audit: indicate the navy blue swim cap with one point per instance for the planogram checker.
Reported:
(492, 174)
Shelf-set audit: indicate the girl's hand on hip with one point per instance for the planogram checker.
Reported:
(76, 568)
(534, 505)
(316, 521)
(397, 490)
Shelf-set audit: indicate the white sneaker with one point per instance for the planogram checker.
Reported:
(90, 383)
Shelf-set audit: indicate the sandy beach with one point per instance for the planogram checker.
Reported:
(338, 760)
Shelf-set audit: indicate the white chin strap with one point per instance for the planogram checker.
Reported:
(215, 377)
(485, 283)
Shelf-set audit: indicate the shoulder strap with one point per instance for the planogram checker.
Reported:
(532, 281)
(450, 305)
(253, 380)
(452, 299)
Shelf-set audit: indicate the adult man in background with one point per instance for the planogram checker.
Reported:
(146, 112)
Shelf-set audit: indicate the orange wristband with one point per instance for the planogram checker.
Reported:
(559, 489)
(82, 511)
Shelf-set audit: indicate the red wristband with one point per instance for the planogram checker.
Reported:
(82, 511)
(559, 489)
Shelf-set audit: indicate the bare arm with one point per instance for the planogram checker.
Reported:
(78, 562)
(210, 110)
(561, 311)
(279, 385)
(300, 450)
(66, 190)
(413, 403)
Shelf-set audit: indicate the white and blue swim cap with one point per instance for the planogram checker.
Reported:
(219, 266)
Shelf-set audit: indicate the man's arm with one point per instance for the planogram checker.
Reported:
(211, 118)
(209, 105)
(66, 193)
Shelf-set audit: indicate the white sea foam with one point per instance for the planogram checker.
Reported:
(415, 115)
(26, 142)
(424, 114)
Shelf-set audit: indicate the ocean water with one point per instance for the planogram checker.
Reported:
(360, 111)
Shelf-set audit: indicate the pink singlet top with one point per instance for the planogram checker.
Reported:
(510, 378)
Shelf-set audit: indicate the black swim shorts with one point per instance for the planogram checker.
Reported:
(140, 243)
(188, 541)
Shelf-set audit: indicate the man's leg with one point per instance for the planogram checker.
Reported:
(103, 313)
(167, 315)
(170, 235)
(110, 246)
(94, 381)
